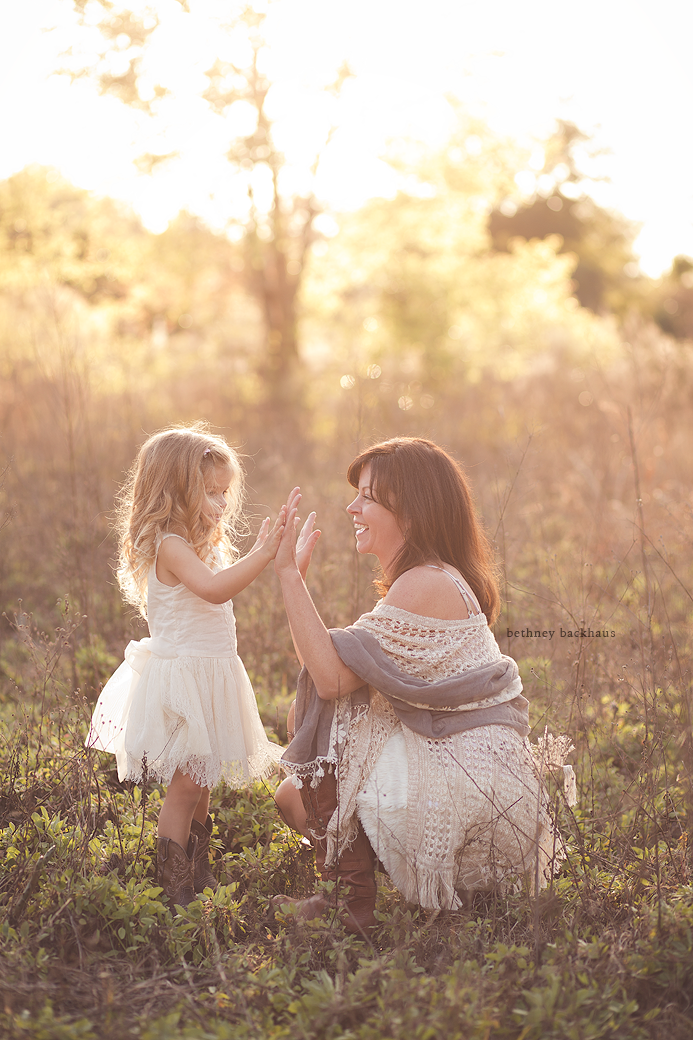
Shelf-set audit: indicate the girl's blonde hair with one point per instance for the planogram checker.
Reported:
(165, 491)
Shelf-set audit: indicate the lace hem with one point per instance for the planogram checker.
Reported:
(365, 736)
(440, 887)
(235, 774)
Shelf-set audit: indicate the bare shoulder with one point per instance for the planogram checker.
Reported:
(429, 592)
(176, 560)
(175, 548)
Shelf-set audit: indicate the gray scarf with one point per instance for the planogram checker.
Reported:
(451, 705)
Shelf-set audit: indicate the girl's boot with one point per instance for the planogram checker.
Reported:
(355, 889)
(203, 876)
(175, 870)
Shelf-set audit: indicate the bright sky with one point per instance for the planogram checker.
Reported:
(620, 69)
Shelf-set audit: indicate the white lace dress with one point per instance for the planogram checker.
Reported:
(182, 698)
(465, 812)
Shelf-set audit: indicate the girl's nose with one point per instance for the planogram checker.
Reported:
(353, 507)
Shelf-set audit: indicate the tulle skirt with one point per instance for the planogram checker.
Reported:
(196, 714)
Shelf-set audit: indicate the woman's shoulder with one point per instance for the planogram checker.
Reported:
(428, 591)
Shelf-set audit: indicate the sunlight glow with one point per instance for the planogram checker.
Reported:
(516, 73)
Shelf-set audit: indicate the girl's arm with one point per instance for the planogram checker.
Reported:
(179, 562)
(313, 644)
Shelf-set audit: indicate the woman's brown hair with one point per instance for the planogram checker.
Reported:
(428, 492)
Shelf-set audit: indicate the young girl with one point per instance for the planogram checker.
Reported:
(181, 708)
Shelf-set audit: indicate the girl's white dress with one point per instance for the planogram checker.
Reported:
(182, 698)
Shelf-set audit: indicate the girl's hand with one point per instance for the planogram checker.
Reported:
(306, 542)
(285, 558)
(262, 534)
(268, 540)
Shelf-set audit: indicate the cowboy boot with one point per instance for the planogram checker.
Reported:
(355, 889)
(204, 878)
(175, 870)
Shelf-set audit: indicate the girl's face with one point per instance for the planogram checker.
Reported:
(216, 485)
(377, 529)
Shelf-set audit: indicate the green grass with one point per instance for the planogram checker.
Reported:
(88, 948)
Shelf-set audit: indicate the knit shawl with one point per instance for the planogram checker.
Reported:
(432, 709)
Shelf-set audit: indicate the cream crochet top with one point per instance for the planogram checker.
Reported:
(432, 649)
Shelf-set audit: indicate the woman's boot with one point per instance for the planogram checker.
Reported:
(175, 870)
(355, 889)
(203, 876)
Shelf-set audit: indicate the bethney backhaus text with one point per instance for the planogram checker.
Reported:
(564, 633)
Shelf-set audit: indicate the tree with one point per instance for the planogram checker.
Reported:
(181, 282)
(606, 274)
(415, 299)
(47, 225)
(674, 299)
(277, 225)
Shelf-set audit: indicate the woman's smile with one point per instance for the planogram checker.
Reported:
(377, 529)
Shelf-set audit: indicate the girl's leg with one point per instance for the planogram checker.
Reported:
(290, 805)
(202, 807)
(175, 862)
(183, 796)
(201, 828)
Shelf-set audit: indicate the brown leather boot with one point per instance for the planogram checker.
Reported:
(175, 870)
(203, 876)
(354, 894)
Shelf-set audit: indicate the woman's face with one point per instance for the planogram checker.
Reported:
(377, 529)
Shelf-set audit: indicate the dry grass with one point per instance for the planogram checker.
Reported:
(584, 479)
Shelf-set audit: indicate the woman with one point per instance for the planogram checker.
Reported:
(411, 728)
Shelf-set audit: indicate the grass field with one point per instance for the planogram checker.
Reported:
(590, 507)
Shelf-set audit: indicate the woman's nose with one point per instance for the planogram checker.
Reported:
(353, 506)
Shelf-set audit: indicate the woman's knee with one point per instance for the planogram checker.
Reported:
(290, 804)
(285, 795)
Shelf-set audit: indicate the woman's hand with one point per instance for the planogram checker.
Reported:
(297, 552)
(306, 542)
(312, 640)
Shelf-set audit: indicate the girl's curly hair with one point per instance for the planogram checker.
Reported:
(167, 490)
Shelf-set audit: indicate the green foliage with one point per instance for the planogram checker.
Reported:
(606, 272)
(47, 226)
(672, 300)
(89, 946)
(415, 285)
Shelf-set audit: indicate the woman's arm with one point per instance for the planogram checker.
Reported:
(178, 561)
(313, 644)
(307, 540)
